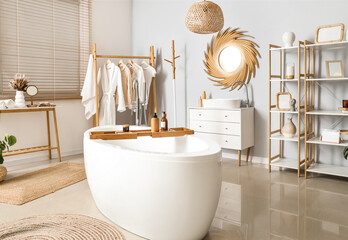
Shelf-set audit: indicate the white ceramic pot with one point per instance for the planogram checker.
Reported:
(288, 39)
(3, 173)
(289, 129)
(20, 100)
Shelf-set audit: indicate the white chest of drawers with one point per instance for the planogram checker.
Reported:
(230, 128)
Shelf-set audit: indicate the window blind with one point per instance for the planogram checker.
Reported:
(49, 42)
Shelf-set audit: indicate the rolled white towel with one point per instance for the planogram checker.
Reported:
(8, 103)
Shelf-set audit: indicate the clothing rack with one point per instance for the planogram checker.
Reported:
(151, 59)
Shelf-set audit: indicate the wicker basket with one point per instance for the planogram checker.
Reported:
(204, 17)
(3, 173)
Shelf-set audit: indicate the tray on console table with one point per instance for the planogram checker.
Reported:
(134, 134)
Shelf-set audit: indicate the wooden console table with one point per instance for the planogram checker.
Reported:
(38, 148)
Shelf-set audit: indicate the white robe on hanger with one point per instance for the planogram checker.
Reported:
(88, 90)
(109, 76)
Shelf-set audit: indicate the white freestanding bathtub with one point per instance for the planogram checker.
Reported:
(157, 188)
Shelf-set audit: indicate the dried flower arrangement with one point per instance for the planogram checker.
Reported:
(19, 83)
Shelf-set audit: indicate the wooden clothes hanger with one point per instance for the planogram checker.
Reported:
(121, 62)
(108, 61)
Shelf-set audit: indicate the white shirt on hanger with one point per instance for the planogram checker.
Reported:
(141, 82)
(149, 73)
(109, 76)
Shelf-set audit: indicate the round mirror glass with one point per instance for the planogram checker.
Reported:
(230, 59)
(32, 90)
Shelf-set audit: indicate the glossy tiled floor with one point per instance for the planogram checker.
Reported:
(253, 204)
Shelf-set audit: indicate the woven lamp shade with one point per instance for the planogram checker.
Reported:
(204, 17)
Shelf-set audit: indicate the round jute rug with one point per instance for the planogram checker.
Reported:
(60, 227)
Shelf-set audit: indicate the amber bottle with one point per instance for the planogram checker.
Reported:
(164, 122)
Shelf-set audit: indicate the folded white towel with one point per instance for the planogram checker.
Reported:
(8, 103)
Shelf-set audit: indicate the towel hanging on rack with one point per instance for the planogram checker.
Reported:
(88, 90)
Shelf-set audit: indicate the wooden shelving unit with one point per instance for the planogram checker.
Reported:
(312, 163)
(278, 160)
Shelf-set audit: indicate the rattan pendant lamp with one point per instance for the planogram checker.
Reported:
(204, 17)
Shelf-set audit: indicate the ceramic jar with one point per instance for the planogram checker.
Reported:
(289, 129)
(20, 100)
(3, 173)
(288, 39)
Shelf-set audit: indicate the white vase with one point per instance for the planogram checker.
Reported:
(288, 39)
(20, 100)
(289, 129)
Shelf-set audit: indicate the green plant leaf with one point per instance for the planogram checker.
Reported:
(1, 157)
(345, 153)
(2, 146)
(11, 140)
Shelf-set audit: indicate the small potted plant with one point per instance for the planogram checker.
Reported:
(20, 84)
(8, 141)
(345, 153)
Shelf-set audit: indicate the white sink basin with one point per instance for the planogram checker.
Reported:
(221, 103)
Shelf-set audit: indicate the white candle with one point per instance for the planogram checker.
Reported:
(290, 71)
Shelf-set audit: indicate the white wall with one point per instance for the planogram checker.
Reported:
(159, 21)
(111, 30)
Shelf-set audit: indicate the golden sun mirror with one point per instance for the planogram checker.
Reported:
(230, 58)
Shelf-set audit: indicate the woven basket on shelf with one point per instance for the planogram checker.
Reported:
(204, 17)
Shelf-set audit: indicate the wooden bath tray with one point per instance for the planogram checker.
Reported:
(134, 134)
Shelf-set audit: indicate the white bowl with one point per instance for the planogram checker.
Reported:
(221, 103)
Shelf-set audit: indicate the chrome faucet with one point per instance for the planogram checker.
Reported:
(136, 104)
(246, 88)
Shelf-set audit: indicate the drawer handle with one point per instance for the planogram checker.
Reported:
(199, 114)
(226, 128)
(225, 115)
(226, 141)
(200, 126)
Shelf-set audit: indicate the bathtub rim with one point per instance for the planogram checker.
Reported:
(213, 151)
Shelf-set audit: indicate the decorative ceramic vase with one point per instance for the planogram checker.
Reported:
(289, 129)
(3, 173)
(288, 39)
(20, 100)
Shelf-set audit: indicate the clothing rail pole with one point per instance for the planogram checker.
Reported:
(152, 63)
(96, 84)
(116, 56)
(153, 89)
(149, 104)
